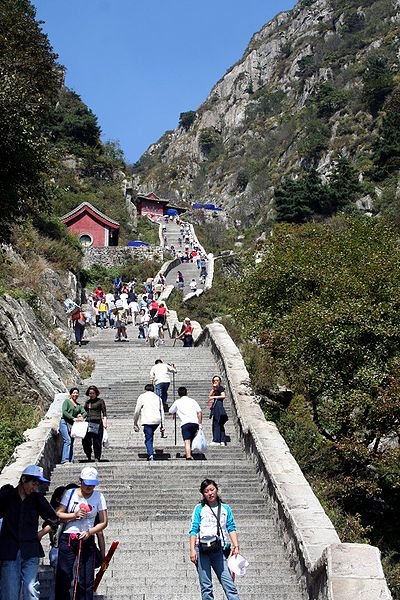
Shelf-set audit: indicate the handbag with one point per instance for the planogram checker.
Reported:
(93, 428)
(79, 429)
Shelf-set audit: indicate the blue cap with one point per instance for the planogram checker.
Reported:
(35, 471)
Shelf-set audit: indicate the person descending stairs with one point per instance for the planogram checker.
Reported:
(150, 503)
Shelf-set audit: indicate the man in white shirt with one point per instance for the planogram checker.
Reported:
(134, 308)
(190, 415)
(151, 413)
(153, 333)
(160, 377)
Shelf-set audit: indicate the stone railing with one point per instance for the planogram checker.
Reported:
(329, 569)
(116, 256)
(42, 445)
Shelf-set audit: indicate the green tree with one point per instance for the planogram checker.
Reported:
(315, 141)
(291, 203)
(344, 186)
(298, 201)
(322, 303)
(73, 124)
(329, 100)
(29, 83)
(386, 150)
(186, 119)
(378, 82)
(209, 141)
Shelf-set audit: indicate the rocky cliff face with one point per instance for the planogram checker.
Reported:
(32, 329)
(296, 98)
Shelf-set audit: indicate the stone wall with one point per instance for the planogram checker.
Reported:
(116, 256)
(330, 570)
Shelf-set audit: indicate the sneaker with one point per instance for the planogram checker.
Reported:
(214, 444)
(223, 444)
(150, 458)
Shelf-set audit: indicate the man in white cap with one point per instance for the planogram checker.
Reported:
(20, 548)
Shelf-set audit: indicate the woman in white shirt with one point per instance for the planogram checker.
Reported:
(78, 511)
(213, 538)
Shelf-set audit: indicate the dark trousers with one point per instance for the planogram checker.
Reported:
(78, 329)
(67, 555)
(187, 341)
(218, 431)
(93, 441)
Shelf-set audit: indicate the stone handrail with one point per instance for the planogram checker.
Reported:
(329, 569)
(42, 445)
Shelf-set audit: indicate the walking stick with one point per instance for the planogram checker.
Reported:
(77, 569)
(173, 394)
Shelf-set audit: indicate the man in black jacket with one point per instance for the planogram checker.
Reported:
(20, 548)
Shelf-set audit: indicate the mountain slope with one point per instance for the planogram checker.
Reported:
(310, 85)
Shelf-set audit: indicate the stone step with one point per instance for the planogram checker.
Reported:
(150, 504)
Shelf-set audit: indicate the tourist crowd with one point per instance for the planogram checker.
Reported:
(76, 516)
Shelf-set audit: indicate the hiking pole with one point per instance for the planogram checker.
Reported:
(77, 569)
(173, 395)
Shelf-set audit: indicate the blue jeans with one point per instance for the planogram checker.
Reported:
(103, 319)
(148, 431)
(67, 454)
(162, 391)
(217, 561)
(17, 573)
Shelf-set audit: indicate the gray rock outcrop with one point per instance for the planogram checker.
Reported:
(35, 362)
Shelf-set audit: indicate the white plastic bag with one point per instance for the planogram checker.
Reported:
(79, 429)
(238, 564)
(199, 443)
(106, 442)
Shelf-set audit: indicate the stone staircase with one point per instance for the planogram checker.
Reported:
(189, 270)
(150, 504)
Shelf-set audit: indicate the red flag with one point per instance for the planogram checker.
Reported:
(104, 565)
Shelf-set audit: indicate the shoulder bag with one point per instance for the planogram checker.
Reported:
(226, 546)
(211, 543)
